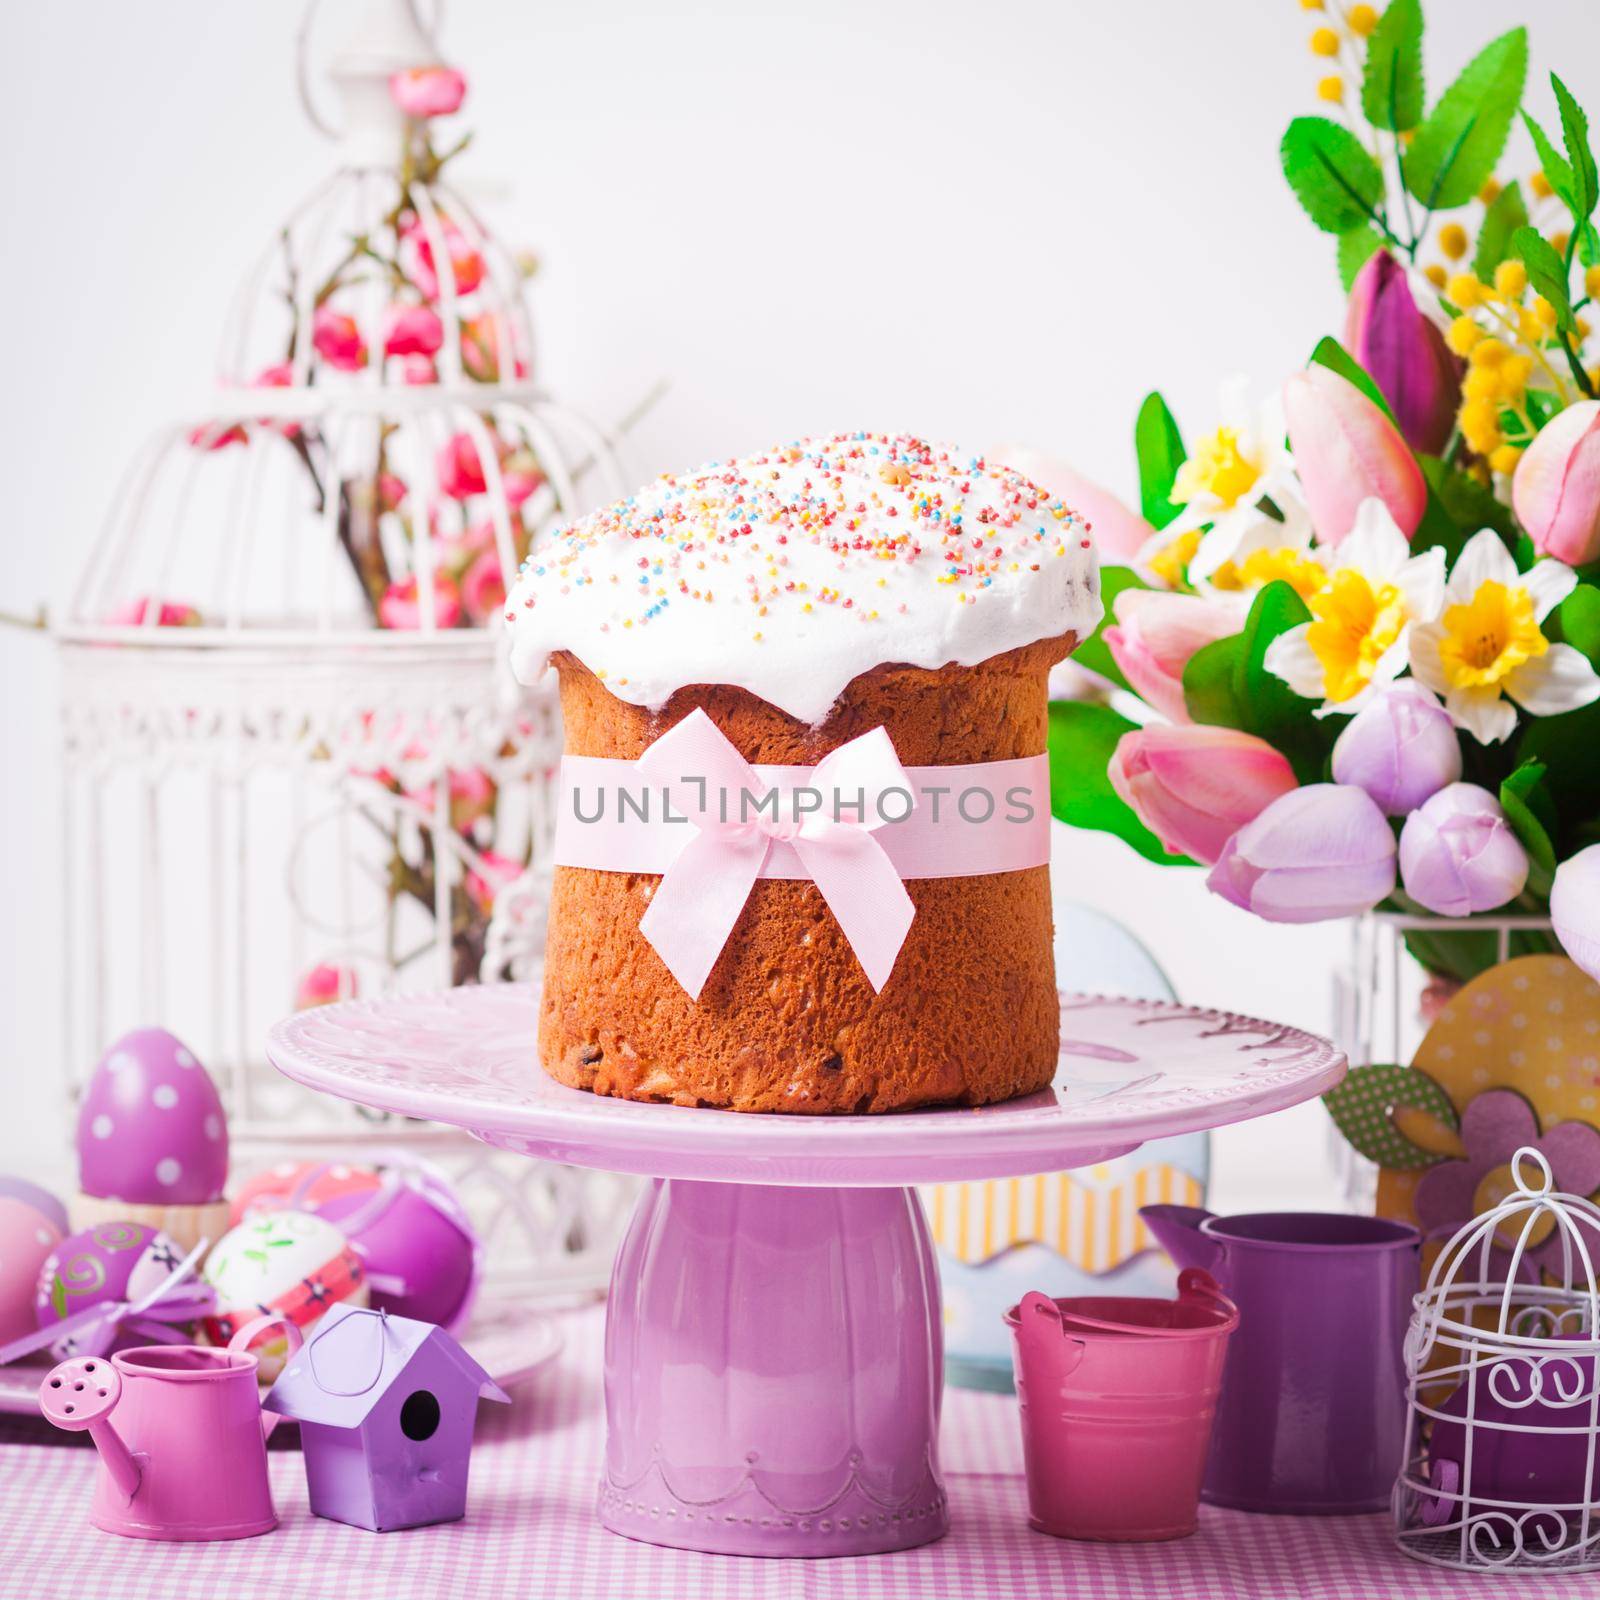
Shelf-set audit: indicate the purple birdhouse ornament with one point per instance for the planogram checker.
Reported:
(386, 1407)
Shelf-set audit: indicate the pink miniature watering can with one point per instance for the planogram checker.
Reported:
(1117, 1395)
(187, 1458)
(1313, 1409)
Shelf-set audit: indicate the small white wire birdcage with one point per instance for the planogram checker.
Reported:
(295, 764)
(1503, 1388)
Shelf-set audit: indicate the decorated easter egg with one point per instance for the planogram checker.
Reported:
(27, 1236)
(109, 1263)
(40, 1199)
(151, 1129)
(289, 1263)
(420, 1249)
(300, 1186)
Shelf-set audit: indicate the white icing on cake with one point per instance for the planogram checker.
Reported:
(791, 572)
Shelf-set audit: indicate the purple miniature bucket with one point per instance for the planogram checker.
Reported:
(1313, 1407)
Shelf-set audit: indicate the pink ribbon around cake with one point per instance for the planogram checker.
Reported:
(858, 824)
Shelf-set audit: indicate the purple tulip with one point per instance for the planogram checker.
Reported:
(1458, 854)
(1404, 352)
(1318, 852)
(1575, 908)
(1402, 748)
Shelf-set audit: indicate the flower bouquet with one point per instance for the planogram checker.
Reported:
(1357, 628)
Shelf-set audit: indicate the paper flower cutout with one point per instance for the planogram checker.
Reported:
(1495, 1125)
(1363, 1109)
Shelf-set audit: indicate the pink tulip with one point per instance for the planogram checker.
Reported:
(1154, 636)
(492, 874)
(1401, 747)
(1119, 534)
(483, 590)
(1404, 352)
(169, 614)
(1556, 490)
(460, 470)
(1347, 451)
(466, 264)
(519, 483)
(325, 983)
(423, 92)
(401, 605)
(1458, 855)
(1575, 908)
(1324, 851)
(391, 491)
(417, 369)
(412, 331)
(1195, 786)
(337, 339)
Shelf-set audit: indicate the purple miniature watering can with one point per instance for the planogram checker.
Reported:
(1313, 1406)
(187, 1458)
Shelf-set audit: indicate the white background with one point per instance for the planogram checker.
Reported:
(980, 222)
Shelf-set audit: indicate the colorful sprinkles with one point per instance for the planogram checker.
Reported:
(728, 535)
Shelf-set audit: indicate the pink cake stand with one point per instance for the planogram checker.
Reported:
(773, 1349)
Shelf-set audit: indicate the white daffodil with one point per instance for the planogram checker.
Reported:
(1487, 649)
(1375, 593)
(1222, 483)
(1250, 547)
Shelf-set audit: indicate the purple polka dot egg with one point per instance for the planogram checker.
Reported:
(105, 1264)
(151, 1129)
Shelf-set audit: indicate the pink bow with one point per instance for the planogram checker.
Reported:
(699, 898)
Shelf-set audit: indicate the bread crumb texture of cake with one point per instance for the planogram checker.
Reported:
(802, 597)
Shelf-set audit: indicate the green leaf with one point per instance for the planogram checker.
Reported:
(1094, 653)
(1083, 739)
(1532, 818)
(1456, 147)
(1209, 678)
(1356, 247)
(1569, 747)
(1159, 447)
(1363, 1108)
(1556, 171)
(1469, 504)
(1507, 212)
(1334, 178)
(1547, 272)
(1391, 86)
(1575, 135)
(1579, 616)
(1333, 355)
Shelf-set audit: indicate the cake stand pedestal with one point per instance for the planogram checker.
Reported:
(773, 1347)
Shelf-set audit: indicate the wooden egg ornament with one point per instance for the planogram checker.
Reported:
(107, 1264)
(299, 1186)
(288, 1263)
(152, 1141)
(27, 1236)
(421, 1251)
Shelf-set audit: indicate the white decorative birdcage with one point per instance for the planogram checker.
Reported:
(296, 767)
(1502, 1463)
(1384, 1000)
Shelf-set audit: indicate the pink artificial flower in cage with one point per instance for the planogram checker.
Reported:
(480, 350)
(423, 92)
(1494, 1126)
(337, 339)
(391, 491)
(472, 794)
(492, 874)
(217, 435)
(417, 369)
(401, 605)
(483, 589)
(324, 983)
(412, 331)
(460, 469)
(169, 614)
(466, 263)
(280, 375)
(520, 478)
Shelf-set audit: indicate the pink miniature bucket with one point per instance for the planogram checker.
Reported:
(1117, 1398)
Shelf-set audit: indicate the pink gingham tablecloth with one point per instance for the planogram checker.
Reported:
(530, 1531)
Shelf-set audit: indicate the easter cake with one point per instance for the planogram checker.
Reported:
(802, 598)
